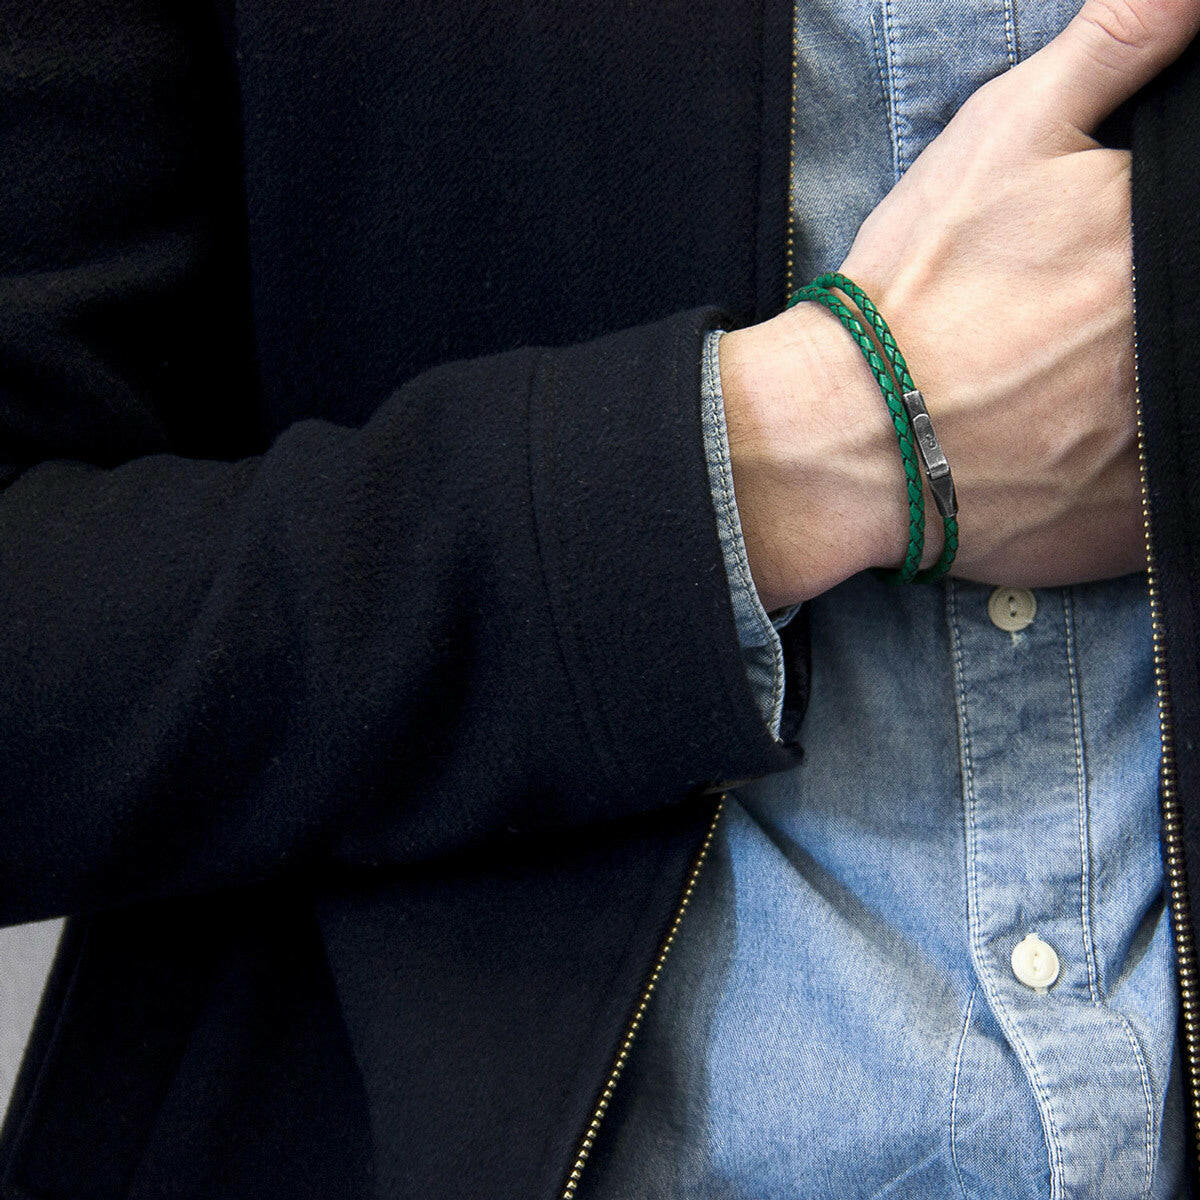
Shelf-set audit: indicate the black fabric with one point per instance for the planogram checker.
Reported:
(368, 654)
(504, 585)
(436, 181)
(215, 1060)
(1166, 186)
(481, 999)
(357, 560)
(1166, 176)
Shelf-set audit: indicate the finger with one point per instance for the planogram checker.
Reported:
(1110, 49)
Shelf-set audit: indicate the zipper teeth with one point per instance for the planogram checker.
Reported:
(1174, 861)
(639, 1012)
(790, 240)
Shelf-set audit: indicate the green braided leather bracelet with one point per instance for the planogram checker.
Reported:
(910, 420)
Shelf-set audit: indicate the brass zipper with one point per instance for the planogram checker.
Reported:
(790, 238)
(639, 1012)
(1174, 861)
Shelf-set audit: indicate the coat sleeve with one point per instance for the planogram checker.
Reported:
(497, 606)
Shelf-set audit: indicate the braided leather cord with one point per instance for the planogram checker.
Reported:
(907, 571)
(891, 351)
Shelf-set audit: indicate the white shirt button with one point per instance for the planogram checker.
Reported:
(1034, 963)
(1011, 608)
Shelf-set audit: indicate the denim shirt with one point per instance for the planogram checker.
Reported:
(842, 1014)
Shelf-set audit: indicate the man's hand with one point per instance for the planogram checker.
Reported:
(1002, 262)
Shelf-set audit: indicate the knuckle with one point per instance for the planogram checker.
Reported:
(1117, 26)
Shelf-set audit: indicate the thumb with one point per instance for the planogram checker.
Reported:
(1110, 49)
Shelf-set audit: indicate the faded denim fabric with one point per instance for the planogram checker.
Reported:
(840, 1017)
(756, 629)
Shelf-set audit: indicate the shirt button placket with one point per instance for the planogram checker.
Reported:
(1024, 798)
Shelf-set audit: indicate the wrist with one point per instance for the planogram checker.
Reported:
(817, 474)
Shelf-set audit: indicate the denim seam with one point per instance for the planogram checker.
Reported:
(1049, 1129)
(1010, 32)
(1081, 800)
(1145, 1076)
(735, 553)
(884, 91)
(962, 1041)
(892, 98)
(1085, 878)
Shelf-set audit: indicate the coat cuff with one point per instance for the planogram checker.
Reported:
(634, 565)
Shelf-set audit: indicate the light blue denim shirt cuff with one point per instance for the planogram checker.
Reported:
(757, 630)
